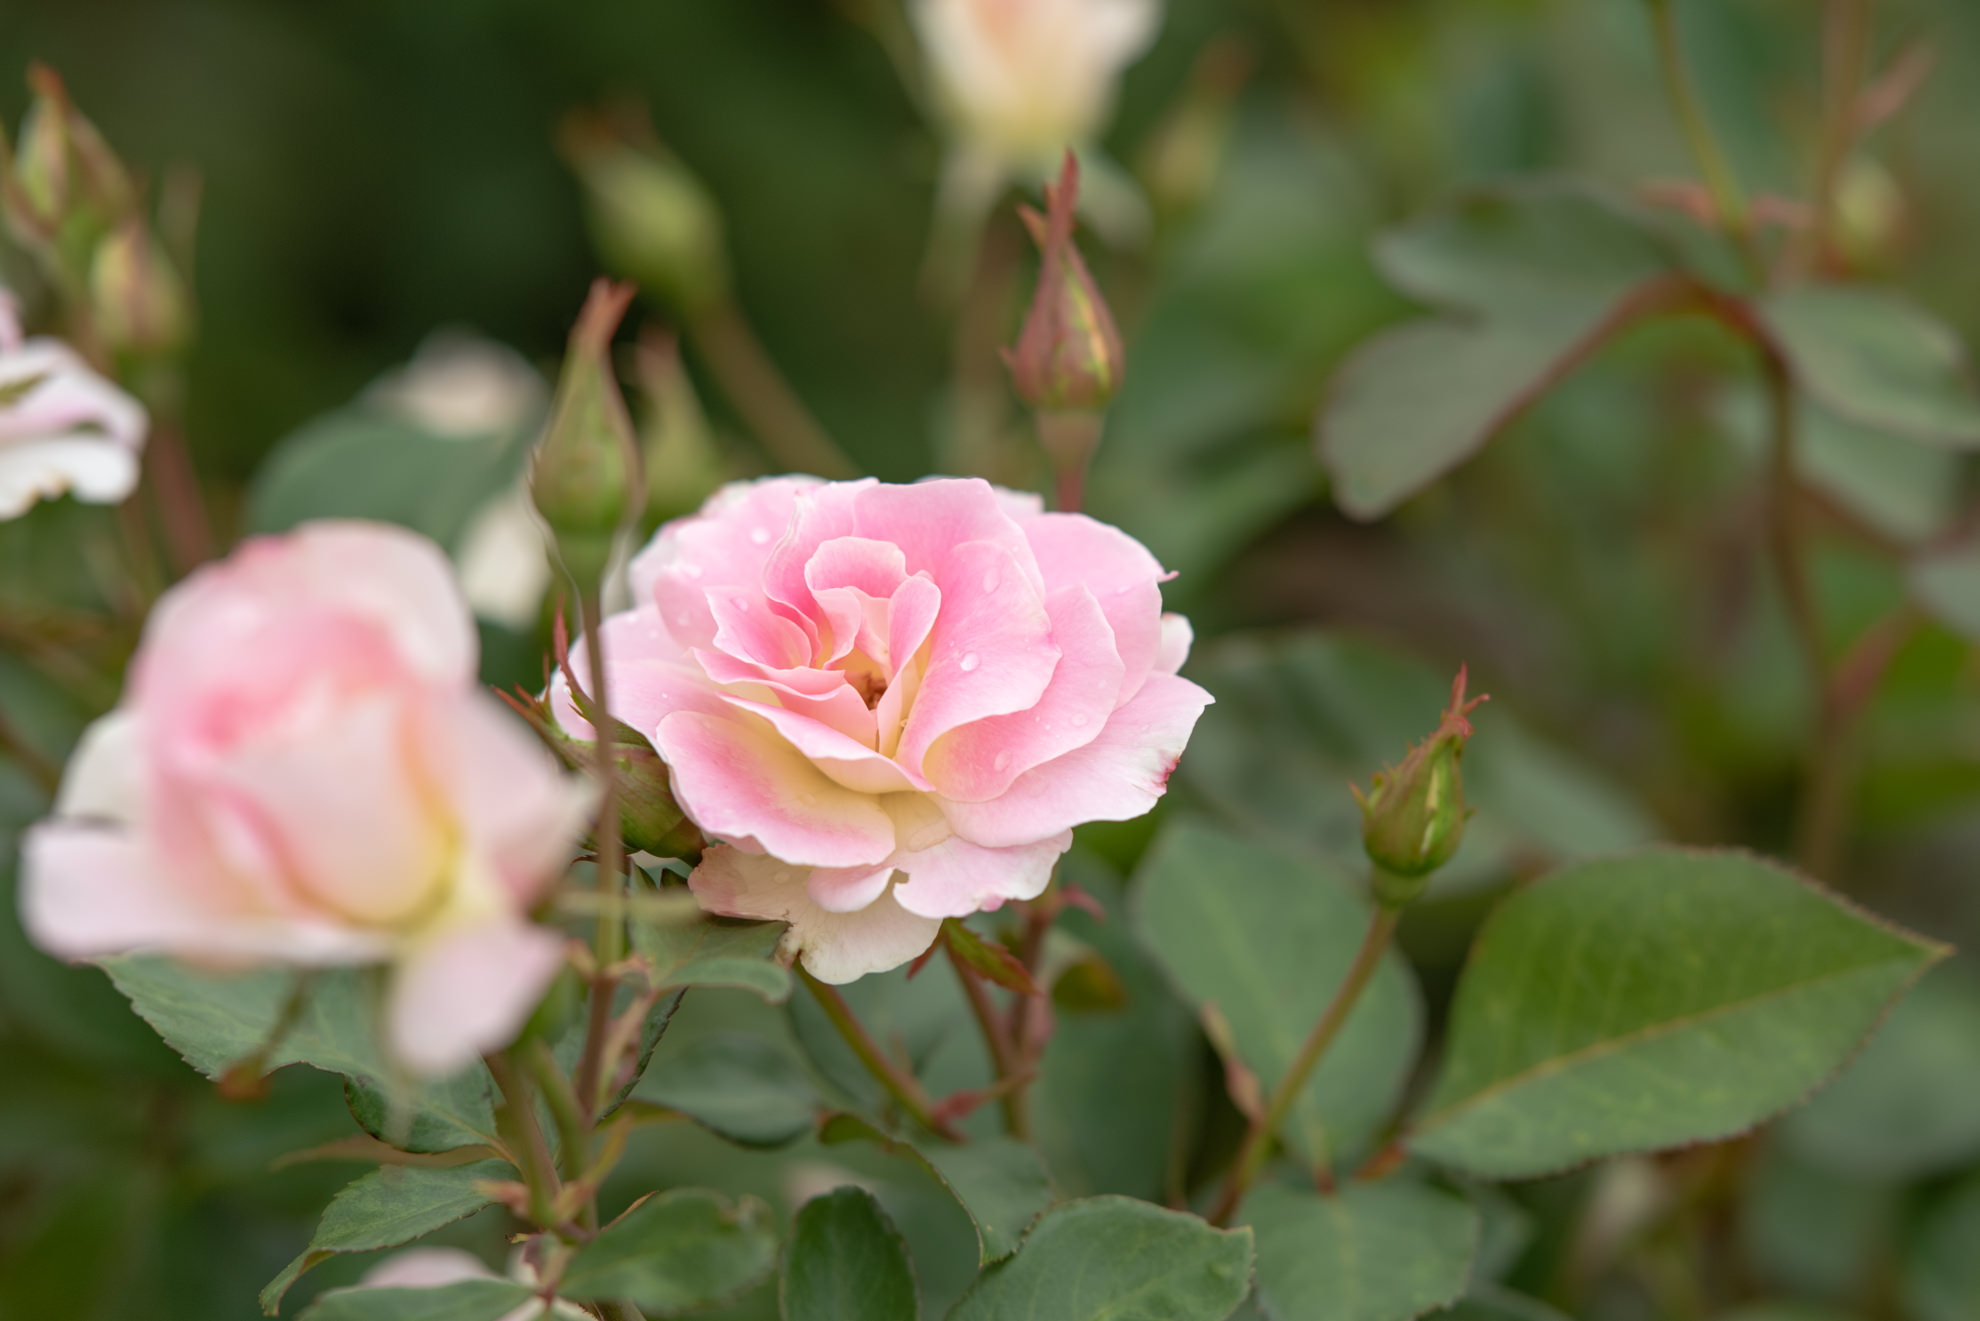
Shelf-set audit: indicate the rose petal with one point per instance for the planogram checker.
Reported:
(845, 760)
(956, 878)
(469, 992)
(930, 519)
(726, 545)
(1177, 638)
(516, 809)
(1116, 777)
(1122, 575)
(104, 778)
(979, 760)
(647, 676)
(739, 779)
(847, 889)
(834, 947)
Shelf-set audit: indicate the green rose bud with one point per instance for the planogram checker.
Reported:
(1413, 814)
(585, 478)
(651, 219)
(1068, 358)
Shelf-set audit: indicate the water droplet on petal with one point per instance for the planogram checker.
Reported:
(1079, 720)
(1003, 760)
(691, 570)
(742, 604)
(760, 535)
(970, 661)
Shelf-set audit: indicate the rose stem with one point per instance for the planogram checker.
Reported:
(1727, 200)
(515, 1120)
(762, 395)
(1003, 1054)
(1251, 1153)
(905, 1088)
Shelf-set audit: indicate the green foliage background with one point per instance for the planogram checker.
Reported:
(373, 170)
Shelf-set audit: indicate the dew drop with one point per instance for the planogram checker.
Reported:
(970, 661)
(742, 604)
(760, 535)
(691, 570)
(1079, 720)
(1003, 760)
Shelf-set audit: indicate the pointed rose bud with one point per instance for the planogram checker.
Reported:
(1413, 815)
(139, 301)
(585, 477)
(65, 188)
(1068, 357)
(683, 465)
(650, 218)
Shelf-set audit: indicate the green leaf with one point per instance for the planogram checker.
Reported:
(358, 463)
(389, 1206)
(1905, 1107)
(988, 958)
(1643, 1002)
(1300, 716)
(1372, 1252)
(1812, 1232)
(1491, 1303)
(1115, 1259)
(1876, 358)
(676, 1251)
(1941, 1270)
(847, 1263)
(467, 1300)
(215, 1020)
(1543, 274)
(716, 951)
(999, 1182)
(1266, 937)
(1946, 583)
(742, 1087)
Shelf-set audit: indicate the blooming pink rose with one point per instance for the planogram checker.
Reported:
(893, 703)
(304, 771)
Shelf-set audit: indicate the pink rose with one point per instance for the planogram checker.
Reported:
(893, 703)
(63, 428)
(304, 771)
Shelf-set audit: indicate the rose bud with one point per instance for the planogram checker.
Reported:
(1413, 815)
(651, 218)
(1068, 358)
(304, 771)
(139, 301)
(889, 705)
(585, 476)
(65, 188)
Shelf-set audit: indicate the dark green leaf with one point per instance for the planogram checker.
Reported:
(1906, 1107)
(1814, 1233)
(742, 1087)
(1877, 359)
(1115, 1259)
(1669, 997)
(1491, 1303)
(1266, 937)
(1372, 1252)
(389, 1206)
(468, 1300)
(1942, 1270)
(676, 1251)
(358, 463)
(215, 1020)
(715, 951)
(999, 1183)
(847, 1263)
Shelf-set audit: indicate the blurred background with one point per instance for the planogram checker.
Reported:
(372, 172)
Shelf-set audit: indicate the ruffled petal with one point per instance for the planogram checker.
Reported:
(469, 992)
(1117, 777)
(1177, 638)
(956, 878)
(1073, 549)
(846, 761)
(104, 780)
(834, 947)
(520, 814)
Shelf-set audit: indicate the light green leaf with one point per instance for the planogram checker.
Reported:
(387, 1207)
(1946, 583)
(716, 951)
(1941, 1270)
(1876, 358)
(1266, 937)
(1543, 274)
(847, 1263)
(1115, 1259)
(676, 1251)
(1906, 1106)
(468, 1300)
(359, 463)
(1372, 1252)
(999, 1182)
(215, 1020)
(1643, 1002)
(743, 1087)
(1300, 716)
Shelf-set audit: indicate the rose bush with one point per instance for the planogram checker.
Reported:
(303, 771)
(892, 704)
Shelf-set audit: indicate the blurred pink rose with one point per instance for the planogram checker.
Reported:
(63, 428)
(304, 771)
(894, 703)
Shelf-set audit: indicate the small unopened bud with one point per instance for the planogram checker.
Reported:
(1068, 358)
(1413, 815)
(1185, 153)
(138, 299)
(585, 477)
(65, 188)
(683, 466)
(651, 219)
